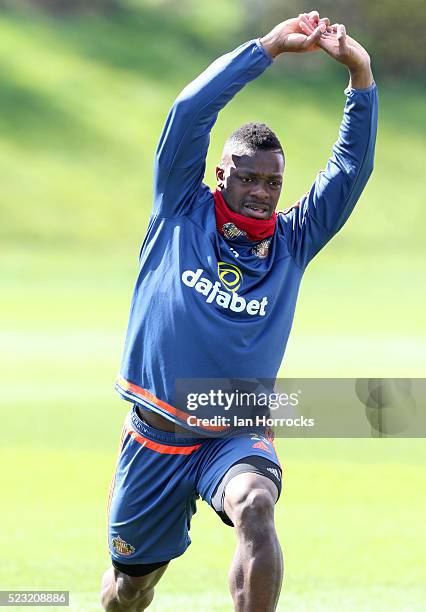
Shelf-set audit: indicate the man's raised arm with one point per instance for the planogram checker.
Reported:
(181, 153)
(332, 197)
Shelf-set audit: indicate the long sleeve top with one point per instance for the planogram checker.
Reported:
(187, 321)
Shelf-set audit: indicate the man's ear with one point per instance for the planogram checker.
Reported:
(220, 177)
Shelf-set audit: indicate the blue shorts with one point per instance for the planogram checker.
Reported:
(158, 479)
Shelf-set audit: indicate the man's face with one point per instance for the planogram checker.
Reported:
(251, 183)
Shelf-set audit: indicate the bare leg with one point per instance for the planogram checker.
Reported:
(123, 593)
(256, 572)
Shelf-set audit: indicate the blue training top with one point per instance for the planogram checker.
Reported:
(209, 307)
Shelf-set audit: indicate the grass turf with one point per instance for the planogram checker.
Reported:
(349, 518)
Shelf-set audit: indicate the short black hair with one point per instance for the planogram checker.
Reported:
(252, 137)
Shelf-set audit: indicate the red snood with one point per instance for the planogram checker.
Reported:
(232, 224)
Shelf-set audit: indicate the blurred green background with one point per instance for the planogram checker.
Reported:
(84, 90)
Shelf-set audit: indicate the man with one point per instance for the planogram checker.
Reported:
(215, 297)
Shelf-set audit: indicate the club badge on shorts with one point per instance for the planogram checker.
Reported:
(122, 547)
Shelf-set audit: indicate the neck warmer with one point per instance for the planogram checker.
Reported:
(232, 224)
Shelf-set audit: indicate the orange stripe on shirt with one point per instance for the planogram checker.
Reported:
(180, 414)
(166, 449)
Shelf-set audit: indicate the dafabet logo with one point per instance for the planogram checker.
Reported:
(229, 275)
(231, 278)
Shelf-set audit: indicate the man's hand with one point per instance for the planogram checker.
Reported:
(298, 35)
(345, 50)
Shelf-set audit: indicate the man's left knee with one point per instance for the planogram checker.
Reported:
(250, 501)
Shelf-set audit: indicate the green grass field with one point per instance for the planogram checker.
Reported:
(81, 106)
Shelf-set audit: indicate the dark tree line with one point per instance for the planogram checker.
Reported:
(65, 7)
(391, 30)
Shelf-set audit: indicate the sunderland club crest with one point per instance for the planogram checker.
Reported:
(261, 250)
(122, 547)
(232, 231)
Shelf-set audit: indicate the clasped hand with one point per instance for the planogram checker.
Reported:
(309, 33)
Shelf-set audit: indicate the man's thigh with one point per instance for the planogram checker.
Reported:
(152, 499)
(249, 453)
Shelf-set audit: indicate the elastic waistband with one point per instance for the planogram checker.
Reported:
(161, 436)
